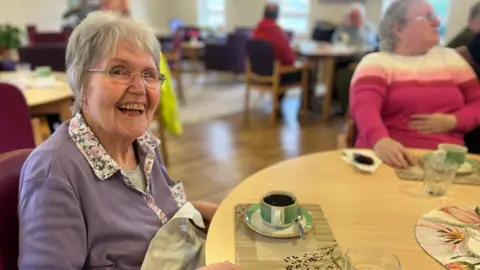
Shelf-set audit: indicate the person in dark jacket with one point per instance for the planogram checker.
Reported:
(268, 29)
(471, 53)
(468, 33)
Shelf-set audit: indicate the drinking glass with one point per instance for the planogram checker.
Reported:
(23, 68)
(439, 175)
(366, 257)
(472, 240)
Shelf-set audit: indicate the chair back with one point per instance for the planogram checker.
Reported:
(10, 165)
(44, 55)
(261, 57)
(16, 120)
(323, 34)
(50, 38)
(237, 51)
(244, 30)
(31, 32)
(190, 32)
(290, 35)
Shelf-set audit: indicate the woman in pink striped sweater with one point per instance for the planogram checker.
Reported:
(412, 93)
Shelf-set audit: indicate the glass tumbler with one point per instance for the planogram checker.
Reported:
(439, 176)
(472, 240)
(366, 257)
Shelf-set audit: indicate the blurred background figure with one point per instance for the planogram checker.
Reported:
(118, 6)
(468, 33)
(268, 30)
(356, 30)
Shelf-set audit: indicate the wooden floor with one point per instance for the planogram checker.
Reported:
(212, 157)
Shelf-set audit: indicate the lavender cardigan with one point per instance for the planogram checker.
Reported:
(78, 209)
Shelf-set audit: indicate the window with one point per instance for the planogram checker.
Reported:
(294, 15)
(211, 13)
(442, 9)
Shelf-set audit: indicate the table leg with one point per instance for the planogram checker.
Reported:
(194, 59)
(65, 110)
(329, 74)
(313, 63)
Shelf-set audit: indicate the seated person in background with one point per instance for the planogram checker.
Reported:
(270, 31)
(96, 192)
(472, 54)
(468, 33)
(412, 93)
(356, 30)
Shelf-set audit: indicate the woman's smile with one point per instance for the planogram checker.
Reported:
(132, 109)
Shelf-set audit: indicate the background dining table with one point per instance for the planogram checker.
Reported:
(47, 99)
(327, 53)
(361, 208)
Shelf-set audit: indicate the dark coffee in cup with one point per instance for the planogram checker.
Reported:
(279, 208)
(279, 200)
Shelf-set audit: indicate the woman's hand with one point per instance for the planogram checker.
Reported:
(206, 209)
(433, 123)
(393, 153)
(220, 266)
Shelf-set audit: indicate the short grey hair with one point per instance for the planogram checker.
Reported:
(395, 15)
(358, 6)
(355, 6)
(96, 38)
(474, 12)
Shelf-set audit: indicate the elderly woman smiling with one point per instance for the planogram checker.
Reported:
(96, 192)
(412, 93)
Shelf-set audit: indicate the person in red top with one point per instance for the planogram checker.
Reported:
(268, 29)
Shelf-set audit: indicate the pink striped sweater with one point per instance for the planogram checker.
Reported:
(387, 89)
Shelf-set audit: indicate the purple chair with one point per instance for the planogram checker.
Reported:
(44, 55)
(244, 30)
(7, 65)
(290, 35)
(229, 56)
(15, 119)
(10, 165)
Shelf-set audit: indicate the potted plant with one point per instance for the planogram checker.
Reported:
(9, 38)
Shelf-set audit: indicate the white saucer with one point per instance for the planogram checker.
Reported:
(255, 222)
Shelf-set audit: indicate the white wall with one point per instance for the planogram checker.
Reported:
(46, 14)
(248, 12)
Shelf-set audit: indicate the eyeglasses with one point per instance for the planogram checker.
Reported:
(427, 17)
(151, 79)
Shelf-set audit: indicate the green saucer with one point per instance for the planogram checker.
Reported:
(254, 221)
(460, 171)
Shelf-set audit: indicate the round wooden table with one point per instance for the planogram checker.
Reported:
(361, 208)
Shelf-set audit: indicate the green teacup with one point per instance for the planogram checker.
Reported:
(43, 71)
(278, 209)
(453, 152)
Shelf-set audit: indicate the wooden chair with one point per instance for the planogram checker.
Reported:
(348, 137)
(264, 73)
(172, 51)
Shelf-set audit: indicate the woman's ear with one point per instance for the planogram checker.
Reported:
(397, 29)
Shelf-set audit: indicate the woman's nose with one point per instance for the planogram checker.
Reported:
(138, 84)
